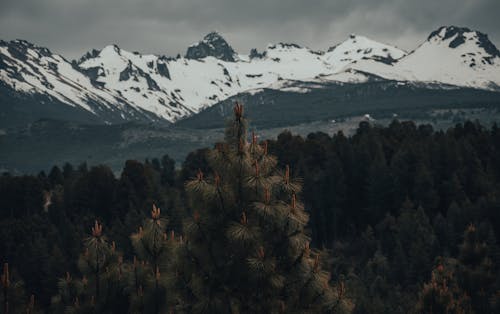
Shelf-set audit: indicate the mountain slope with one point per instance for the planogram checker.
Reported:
(450, 55)
(141, 79)
(189, 85)
(357, 48)
(325, 101)
(36, 73)
(113, 85)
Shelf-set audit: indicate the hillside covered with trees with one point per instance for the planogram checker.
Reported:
(397, 219)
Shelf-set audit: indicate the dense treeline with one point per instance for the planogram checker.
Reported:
(410, 217)
(389, 200)
(44, 218)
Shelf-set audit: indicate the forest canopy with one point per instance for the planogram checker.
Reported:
(392, 219)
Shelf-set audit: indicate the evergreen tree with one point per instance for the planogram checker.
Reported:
(194, 162)
(167, 170)
(442, 294)
(12, 291)
(247, 248)
(444, 234)
(379, 187)
(416, 235)
(56, 176)
(152, 279)
(68, 171)
(375, 286)
(475, 273)
(100, 288)
(12, 297)
(424, 192)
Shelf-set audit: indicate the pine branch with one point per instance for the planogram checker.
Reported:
(210, 248)
(221, 199)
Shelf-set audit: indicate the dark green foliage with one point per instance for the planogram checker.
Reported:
(12, 292)
(152, 280)
(55, 176)
(354, 183)
(42, 224)
(442, 295)
(476, 272)
(384, 202)
(101, 286)
(246, 245)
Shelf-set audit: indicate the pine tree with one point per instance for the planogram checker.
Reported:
(416, 235)
(442, 294)
(247, 249)
(31, 306)
(379, 187)
(101, 285)
(9, 289)
(424, 191)
(167, 170)
(152, 279)
(476, 271)
(12, 297)
(56, 176)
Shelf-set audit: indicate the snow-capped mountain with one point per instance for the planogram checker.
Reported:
(361, 48)
(144, 80)
(211, 71)
(28, 68)
(115, 85)
(450, 55)
(32, 70)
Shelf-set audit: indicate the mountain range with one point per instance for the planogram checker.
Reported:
(113, 85)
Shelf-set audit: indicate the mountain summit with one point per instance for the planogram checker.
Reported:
(450, 55)
(459, 36)
(113, 85)
(212, 45)
(357, 48)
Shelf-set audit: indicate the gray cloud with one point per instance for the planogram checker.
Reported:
(71, 27)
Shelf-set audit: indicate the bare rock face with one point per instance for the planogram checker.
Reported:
(212, 45)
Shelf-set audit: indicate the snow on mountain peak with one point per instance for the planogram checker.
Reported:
(450, 55)
(23, 49)
(357, 48)
(30, 69)
(113, 48)
(212, 45)
(159, 88)
(454, 37)
(445, 32)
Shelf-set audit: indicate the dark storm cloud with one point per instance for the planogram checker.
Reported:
(71, 27)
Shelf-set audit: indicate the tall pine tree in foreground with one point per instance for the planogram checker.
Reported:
(246, 247)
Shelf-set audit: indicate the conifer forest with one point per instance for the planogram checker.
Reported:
(392, 219)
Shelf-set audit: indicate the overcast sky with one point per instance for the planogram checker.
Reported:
(71, 27)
